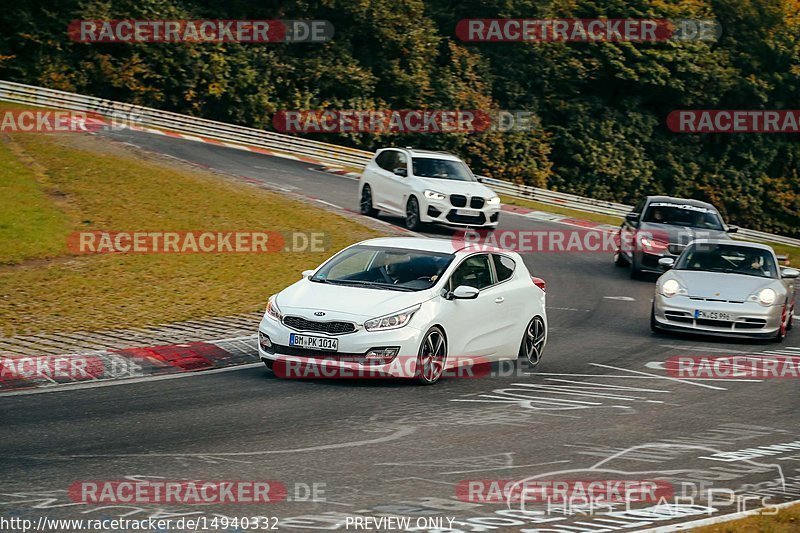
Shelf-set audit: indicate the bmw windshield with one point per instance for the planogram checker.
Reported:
(384, 268)
(427, 167)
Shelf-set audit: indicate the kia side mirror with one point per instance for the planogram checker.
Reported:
(732, 229)
(464, 292)
(307, 273)
(400, 172)
(633, 218)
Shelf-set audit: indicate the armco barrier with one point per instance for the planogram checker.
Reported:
(324, 152)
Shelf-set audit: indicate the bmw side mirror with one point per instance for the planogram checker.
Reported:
(464, 292)
(665, 263)
(789, 273)
(732, 229)
(400, 172)
(633, 218)
(307, 273)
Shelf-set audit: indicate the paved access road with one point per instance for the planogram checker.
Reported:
(600, 406)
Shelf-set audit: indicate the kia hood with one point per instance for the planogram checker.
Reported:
(469, 188)
(305, 297)
(723, 286)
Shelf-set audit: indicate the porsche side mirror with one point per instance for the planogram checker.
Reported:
(789, 273)
(665, 263)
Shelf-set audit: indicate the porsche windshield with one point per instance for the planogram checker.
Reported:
(385, 268)
(727, 258)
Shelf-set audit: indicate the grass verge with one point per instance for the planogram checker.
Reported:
(59, 185)
(787, 520)
(572, 213)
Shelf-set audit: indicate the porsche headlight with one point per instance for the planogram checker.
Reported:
(393, 321)
(495, 200)
(433, 195)
(671, 287)
(766, 297)
(272, 309)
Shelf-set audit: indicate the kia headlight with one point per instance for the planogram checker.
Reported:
(433, 195)
(272, 309)
(393, 321)
(671, 287)
(495, 200)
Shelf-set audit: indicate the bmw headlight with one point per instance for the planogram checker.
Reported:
(393, 321)
(495, 200)
(433, 195)
(766, 297)
(272, 309)
(671, 287)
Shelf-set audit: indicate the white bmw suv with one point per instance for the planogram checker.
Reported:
(426, 187)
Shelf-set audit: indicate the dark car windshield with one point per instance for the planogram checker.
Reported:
(682, 215)
(728, 258)
(427, 167)
(385, 268)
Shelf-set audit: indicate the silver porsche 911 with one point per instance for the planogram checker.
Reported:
(724, 287)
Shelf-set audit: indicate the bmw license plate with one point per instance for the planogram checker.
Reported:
(468, 212)
(313, 343)
(713, 315)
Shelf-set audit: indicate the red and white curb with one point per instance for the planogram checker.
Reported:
(62, 371)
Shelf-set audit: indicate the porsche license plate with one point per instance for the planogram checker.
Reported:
(313, 343)
(713, 315)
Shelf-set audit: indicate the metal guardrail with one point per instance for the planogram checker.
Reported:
(147, 116)
(324, 152)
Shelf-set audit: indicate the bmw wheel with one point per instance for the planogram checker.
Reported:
(432, 356)
(366, 202)
(412, 215)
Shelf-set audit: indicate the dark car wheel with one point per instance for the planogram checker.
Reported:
(653, 324)
(636, 273)
(431, 357)
(412, 215)
(366, 202)
(781, 334)
(530, 351)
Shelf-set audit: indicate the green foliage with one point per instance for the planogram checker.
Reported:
(600, 108)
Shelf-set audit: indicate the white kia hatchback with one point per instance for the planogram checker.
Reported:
(426, 187)
(407, 307)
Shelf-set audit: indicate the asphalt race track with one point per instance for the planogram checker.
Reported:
(600, 406)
